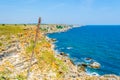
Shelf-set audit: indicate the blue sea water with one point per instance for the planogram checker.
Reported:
(101, 43)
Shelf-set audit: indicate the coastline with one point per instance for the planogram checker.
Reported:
(64, 29)
(91, 76)
(15, 56)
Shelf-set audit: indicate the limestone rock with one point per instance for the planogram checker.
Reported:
(110, 77)
(84, 64)
(95, 65)
(53, 40)
(81, 68)
(63, 54)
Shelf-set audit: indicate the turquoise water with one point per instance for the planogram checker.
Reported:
(101, 43)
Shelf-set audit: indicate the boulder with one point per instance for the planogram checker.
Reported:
(95, 65)
(84, 64)
(63, 54)
(88, 60)
(53, 40)
(81, 68)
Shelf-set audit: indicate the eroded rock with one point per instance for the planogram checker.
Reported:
(63, 54)
(95, 65)
(81, 68)
(110, 77)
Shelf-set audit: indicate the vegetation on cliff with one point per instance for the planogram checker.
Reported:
(17, 40)
(16, 46)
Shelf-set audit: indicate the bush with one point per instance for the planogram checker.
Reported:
(25, 25)
(15, 24)
(3, 24)
(59, 27)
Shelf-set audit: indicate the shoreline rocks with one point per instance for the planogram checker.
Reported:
(63, 54)
(53, 40)
(95, 65)
(81, 68)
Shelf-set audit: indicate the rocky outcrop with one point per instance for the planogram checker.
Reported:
(63, 54)
(81, 68)
(95, 65)
(52, 28)
(110, 77)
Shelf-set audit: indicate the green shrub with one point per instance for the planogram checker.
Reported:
(25, 25)
(59, 27)
(3, 24)
(15, 24)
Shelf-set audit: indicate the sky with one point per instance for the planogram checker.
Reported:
(88, 12)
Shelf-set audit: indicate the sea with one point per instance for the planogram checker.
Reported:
(100, 43)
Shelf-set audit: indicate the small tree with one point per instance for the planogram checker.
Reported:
(15, 24)
(25, 25)
(3, 24)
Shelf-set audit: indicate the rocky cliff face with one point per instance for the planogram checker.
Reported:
(16, 46)
(51, 28)
(16, 49)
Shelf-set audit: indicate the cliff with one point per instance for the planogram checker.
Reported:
(16, 46)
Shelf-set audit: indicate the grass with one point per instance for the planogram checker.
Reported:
(30, 48)
(0, 44)
(45, 56)
(6, 31)
(4, 75)
(43, 52)
(10, 29)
